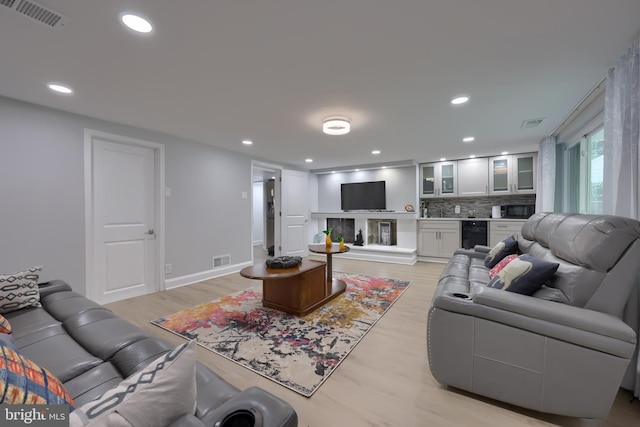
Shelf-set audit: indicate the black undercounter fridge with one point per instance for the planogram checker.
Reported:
(474, 233)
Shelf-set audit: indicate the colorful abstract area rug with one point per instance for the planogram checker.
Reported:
(297, 352)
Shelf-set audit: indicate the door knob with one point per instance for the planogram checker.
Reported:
(151, 231)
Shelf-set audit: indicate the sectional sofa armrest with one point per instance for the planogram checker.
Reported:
(471, 253)
(482, 249)
(46, 288)
(575, 325)
(273, 411)
(187, 420)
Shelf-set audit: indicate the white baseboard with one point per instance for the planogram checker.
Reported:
(190, 279)
(432, 259)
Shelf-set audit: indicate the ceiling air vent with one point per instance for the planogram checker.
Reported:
(531, 123)
(35, 11)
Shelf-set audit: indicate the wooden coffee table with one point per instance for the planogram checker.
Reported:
(298, 290)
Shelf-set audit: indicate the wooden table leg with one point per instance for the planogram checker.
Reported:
(329, 275)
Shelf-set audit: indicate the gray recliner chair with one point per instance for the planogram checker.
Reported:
(565, 350)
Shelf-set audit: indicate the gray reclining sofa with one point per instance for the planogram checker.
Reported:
(91, 350)
(566, 349)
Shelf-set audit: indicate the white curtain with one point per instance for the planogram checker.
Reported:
(621, 141)
(546, 179)
(621, 136)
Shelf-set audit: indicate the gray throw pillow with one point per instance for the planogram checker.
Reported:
(156, 396)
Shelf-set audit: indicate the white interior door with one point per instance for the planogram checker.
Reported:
(124, 223)
(295, 213)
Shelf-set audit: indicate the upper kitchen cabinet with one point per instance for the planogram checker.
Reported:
(473, 177)
(438, 179)
(514, 174)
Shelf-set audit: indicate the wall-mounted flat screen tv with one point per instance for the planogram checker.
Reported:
(357, 196)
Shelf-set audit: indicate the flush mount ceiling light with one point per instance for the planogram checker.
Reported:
(460, 100)
(468, 139)
(136, 23)
(60, 88)
(336, 125)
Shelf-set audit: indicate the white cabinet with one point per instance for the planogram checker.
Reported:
(500, 230)
(515, 174)
(473, 177)
(438, 179)
(438, 239)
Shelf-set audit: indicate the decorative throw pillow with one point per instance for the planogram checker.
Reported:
(506, 247)
(5, 326)
(155, 396)
(19, 290)
(524, 275)
(8, 341)
(501, 264)
(25, 382)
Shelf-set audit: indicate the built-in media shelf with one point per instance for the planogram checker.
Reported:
(401, 227)
(366, 214)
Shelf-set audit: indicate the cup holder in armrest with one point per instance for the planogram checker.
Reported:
(241, 418)
(461, 295)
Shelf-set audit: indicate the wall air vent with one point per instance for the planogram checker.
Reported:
(33, 10)
(527, 124)
(221, 261)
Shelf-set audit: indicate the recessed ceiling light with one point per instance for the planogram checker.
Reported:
(460, 100)
(504, 153)
(308, 160)
(136, 23)
(375, 152)
(333, 171)
(357, 170)
(247, 142)
(384, 167)
(336, 125)
(60, 88)
(442, 159)
(468, 139)
(472, 156)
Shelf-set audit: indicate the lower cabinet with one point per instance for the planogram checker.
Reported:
(438, 238)
(500, 230)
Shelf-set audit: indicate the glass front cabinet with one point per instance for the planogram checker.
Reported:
(514, 174)
(438, 179)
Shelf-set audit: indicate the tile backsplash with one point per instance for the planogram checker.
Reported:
(480, 207)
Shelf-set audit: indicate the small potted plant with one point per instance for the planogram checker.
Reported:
(327, 240)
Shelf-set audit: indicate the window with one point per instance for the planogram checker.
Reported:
(584, 163)
(594, 173)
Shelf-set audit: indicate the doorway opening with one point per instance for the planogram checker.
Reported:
(265, 224)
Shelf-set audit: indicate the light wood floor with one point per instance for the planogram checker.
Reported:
(385, 381)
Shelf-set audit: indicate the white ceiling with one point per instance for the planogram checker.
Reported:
(222, 71)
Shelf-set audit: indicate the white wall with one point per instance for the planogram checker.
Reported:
(42, 193)
(400, 185)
